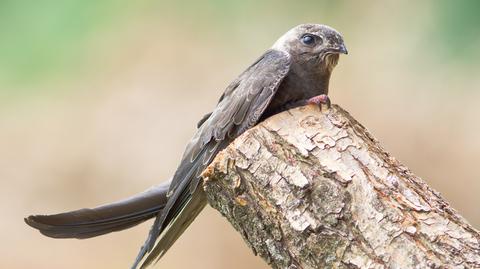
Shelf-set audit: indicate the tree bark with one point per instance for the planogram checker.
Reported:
(313, 189)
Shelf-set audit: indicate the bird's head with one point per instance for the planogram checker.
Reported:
(313, 46)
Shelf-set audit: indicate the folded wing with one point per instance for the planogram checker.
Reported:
(239, 108)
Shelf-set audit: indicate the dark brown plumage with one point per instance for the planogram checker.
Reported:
(295, 69)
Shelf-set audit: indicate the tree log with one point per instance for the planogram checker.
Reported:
(314, 189)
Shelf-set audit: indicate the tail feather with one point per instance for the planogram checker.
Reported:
(86, 223)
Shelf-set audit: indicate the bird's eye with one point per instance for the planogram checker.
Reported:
(308, 39)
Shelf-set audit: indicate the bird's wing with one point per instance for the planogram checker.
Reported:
(203, 119)
(206, 116)
(239, 108)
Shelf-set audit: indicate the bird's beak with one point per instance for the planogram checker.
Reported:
(343, 49)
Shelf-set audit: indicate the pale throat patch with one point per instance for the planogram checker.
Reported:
(331, 61)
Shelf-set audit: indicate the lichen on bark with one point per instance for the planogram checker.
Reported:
(313, 189)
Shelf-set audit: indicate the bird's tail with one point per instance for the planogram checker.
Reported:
(86, 223)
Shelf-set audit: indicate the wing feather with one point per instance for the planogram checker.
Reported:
(239, 108)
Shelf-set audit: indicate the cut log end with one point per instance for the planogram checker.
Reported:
(313, 189)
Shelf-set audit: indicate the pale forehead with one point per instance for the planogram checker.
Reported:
(317, 29)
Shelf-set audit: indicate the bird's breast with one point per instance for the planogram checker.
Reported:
(296, 87)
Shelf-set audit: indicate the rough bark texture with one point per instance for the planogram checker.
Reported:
(313, 189)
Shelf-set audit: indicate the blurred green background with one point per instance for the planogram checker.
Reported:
(98, 99)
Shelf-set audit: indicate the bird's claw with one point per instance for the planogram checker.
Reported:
(321, 101)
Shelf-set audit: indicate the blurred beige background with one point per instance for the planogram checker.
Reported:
(98, 99)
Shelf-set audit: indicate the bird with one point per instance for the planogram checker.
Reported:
(295, 71)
